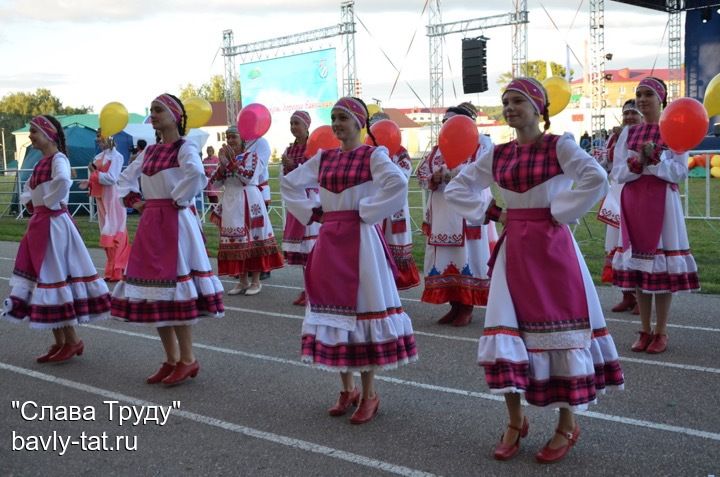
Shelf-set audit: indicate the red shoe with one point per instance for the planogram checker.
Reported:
(165, 370)
(508, 451)
(449, 317)
(67, 351)
(366, 410)
(658, 345)
(46, 357)
(628, 303)
(548, 455)
(642, 342)
(181, 372)
(346, 399)
(300, 300)
(464, 316)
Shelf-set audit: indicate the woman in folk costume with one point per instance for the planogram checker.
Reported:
(354, 320)
(654, 258)
(457, 250)
(112, 216)
(609, 212)
(247, 242)
(54, 284)
(545, 334)
(298, 238)
(169, 282)
(398, 227)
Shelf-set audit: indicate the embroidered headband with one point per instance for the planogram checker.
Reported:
(171, 105)
(45, 127)
(354, 108)
(655, 85)
(532, 90)
(303, 116)
(231, 130)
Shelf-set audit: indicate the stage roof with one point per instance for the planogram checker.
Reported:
(661, 5)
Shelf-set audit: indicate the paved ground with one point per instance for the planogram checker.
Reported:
(255, 410)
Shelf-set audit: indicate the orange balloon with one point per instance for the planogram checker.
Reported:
(458, 140)
(700, 160)
(683, 124)
(387, 134)
(321, 138)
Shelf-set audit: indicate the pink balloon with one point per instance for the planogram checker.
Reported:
(253, 121)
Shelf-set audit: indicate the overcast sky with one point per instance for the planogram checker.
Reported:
(91, 52)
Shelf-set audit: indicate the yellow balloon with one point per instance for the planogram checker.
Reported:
(715, 172)
(715, 160)
(559, 92)
(373, 108)
(363, 135)
(712, 96)
(198, 111)
(113, 119)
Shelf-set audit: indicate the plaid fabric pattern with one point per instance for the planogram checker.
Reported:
(19, 309)
(296, 152)
(69, 311)
(159, 157)
(640, 134)
(608, 374)
(656, 282)
(42, 172)
(163, 311)
(132, 198)
(575, 391)
(520, 168)
(359, 355)
(340, 170)
(506, 374)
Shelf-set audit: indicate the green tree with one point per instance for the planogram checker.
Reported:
(213, 90)
(16, 109)
(535, 69)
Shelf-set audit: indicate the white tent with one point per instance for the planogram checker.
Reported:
(146, 132)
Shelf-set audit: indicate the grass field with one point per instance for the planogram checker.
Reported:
(590, 233)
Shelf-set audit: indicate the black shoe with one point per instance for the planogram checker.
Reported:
(264, 275)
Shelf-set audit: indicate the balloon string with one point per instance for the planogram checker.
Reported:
(407, 52)
(659, 46)
(558, 30)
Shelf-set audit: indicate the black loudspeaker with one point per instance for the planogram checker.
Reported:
(474, 65)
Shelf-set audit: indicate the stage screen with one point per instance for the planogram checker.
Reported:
(305, 81)
(702, 51)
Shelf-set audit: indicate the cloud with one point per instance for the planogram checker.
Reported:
(37, 79)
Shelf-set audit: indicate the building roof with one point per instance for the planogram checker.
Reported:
(91, 121)
(634, 75)
(399, 118)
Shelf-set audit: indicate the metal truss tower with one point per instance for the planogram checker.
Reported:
(344, 29)
(597, 67)
(436, 30)
(674, 49)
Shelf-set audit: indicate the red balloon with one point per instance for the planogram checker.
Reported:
(253, 121)
(321, 138)
(683, 124)
(458, 140)
(387, 134)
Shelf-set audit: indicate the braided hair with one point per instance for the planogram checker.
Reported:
(61, 144)
(182, 125)
(546, 116)
(367, 119)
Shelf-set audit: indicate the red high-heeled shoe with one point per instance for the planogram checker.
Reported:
(67, 351)
(508, 451)
(165, 370)
(51, 351)
(300, 300)
(181, 372)
(366, 411)
(449, 317)
(346, 399)
(548, 455)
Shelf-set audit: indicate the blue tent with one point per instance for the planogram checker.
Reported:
(80, 142)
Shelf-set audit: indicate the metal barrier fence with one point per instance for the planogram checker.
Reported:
(417, 196)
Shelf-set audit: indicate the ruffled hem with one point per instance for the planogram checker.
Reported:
(656, 283)
(359, 356)
(558, 378)
(234, 268)
(476, 295)
(408, 276)
(295, 258)
(168, 313)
